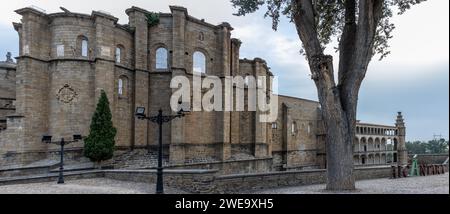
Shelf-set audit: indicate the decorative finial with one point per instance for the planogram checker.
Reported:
(9, 58)
(65, 10)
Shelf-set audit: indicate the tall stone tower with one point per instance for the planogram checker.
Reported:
(402, 152)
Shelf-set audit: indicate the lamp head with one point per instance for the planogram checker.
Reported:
(77, 137)
(140, 112)
(184, 108)
(46, 139)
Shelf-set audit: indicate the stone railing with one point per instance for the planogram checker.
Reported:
(210, 181)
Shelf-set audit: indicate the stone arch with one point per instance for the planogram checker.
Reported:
(363, 160)
(383, 144)
(395, 144)
(364, 144)
(377, 159)
(378, 144)
(370, 159)
(370, 144)
(383, 158)
(390, 158)
(389, 144)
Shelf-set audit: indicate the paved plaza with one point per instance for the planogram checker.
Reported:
(86, 186)
(438, 184)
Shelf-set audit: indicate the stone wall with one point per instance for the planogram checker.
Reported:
(296, 135)
(57, 86)
(7, 90)
(71, 155)
(208, 181)
(240, 183)
(430, 158)
(232, 166)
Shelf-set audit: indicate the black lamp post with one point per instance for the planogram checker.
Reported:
(160, 119)
(48, 139)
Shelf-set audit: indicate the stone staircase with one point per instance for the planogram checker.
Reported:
(137, 159)
(141, 159)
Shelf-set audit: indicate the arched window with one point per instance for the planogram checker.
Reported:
(294, 128)
(199, 64)
(122, 86)
(247, 80)
(84, 47)
(161, 58)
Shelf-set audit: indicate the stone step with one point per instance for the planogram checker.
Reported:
(49, 177)
(74, 168)
(39, 167)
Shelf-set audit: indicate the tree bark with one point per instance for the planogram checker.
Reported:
(339, 101)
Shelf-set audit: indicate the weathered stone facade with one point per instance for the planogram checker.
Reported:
(66, 59)
(7, 89)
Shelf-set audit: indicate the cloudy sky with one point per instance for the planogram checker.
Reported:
(414, 79)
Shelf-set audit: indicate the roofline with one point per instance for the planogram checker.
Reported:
(376, 125)
(297, 98)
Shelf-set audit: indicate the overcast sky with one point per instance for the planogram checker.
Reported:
(414, 79)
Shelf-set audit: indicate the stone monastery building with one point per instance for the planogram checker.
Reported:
(67, 58)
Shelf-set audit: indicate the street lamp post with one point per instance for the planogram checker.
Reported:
(160, 119)
(48, 140)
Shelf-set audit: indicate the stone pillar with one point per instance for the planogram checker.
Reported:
(177, 146)
(261, 129)
(235, 115)
(104, 55)
(32, 77)
(287, 120)
(224, 118)
(401, 147)
(138, 21)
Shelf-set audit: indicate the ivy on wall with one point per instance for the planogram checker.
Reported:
(152, 19)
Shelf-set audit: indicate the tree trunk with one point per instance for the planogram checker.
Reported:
(98, 165)
(338, 123)
(339, 101)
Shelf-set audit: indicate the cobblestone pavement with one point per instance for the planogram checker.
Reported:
(86, 186)
(438, 184)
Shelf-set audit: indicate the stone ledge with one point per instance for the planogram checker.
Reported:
(166, 171)
(49, 177)
(223, 177)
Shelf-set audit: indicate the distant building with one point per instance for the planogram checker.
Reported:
(7, 89)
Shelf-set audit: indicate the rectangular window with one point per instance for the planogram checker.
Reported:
(274, 126)
(118, 55)
(60, 50)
